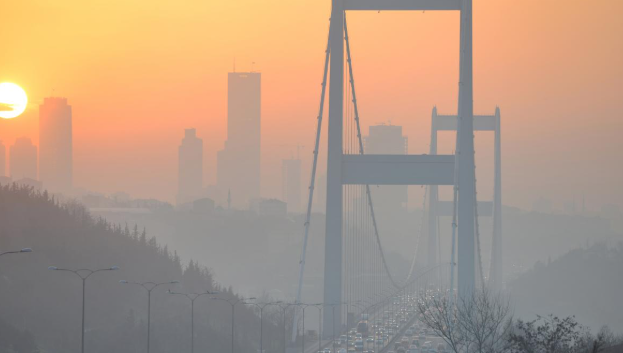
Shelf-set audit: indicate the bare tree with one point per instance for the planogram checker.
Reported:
(479, 323)
(551, 334)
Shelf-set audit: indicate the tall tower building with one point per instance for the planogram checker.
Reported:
(55, 145)
(291, 179)
(387, 139)
(238, 163)
(23, 159)
(190, 168)
(2, 159)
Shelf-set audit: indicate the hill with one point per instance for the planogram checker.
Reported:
(47, 304)
(586, 282)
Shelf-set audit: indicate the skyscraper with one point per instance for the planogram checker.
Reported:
(387, 139)
(55, 145)
(190, 168)
(238, 163)
(23, 159)
(2, 159)
(291, 183)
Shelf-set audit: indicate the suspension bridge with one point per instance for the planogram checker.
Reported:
(355, 265)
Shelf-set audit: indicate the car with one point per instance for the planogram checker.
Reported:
(342, 350)
(343, 339)
(370, 339)
(327, 350)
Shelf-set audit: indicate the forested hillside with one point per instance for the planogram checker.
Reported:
(586, 282)
(45, 306)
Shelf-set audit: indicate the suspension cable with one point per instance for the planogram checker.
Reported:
(367, 186)
(482, 279)
(417, 241)
(312, 180)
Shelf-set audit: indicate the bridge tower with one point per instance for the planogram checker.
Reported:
(493, 209)
(343, 169)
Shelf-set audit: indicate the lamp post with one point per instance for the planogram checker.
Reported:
(83, 273)
(285, 307)
(192, 297)
(261, 307)
(303, 327)
(319, 307)
(16, 251)
(233, 305)
(333, 321)
(148, 286)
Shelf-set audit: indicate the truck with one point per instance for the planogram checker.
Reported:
(362, 328)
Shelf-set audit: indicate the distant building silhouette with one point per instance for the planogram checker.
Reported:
(2, 159)
(55, 145)
(190, 168)
(238, 163)
(387, 139)
(291, 183)
(268, 207)
(23, 159)
(203, 206)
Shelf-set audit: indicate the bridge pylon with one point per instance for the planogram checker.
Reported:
(344, 169)
(437, 208)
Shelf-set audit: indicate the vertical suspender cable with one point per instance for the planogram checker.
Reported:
(369, 197)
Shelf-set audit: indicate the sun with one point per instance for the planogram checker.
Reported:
(13, 100)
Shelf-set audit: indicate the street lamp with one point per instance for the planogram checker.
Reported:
(319, 307)
(148, 286)
(285, 307)
(233, 305)
(333, 320)
(262, 306)
(83, 273)
(192, 297)
(303, 328)
(16, 251)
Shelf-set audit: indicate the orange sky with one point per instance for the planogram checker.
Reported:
(138, 72)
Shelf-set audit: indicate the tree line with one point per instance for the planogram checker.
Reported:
(40, 310)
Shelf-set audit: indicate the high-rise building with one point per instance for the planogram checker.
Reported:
(238, 163)
(387, 139)
(2, 159)
(23, 159)
(190, 168)
(291, 183)
(55, 145)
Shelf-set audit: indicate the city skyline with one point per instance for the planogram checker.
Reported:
(192, 176)
(196, 94)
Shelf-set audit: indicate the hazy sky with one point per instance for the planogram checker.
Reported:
(138, 72)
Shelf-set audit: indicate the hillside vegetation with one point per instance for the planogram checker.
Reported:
(45, 306)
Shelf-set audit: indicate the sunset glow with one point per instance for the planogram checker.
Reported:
(13, 100)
